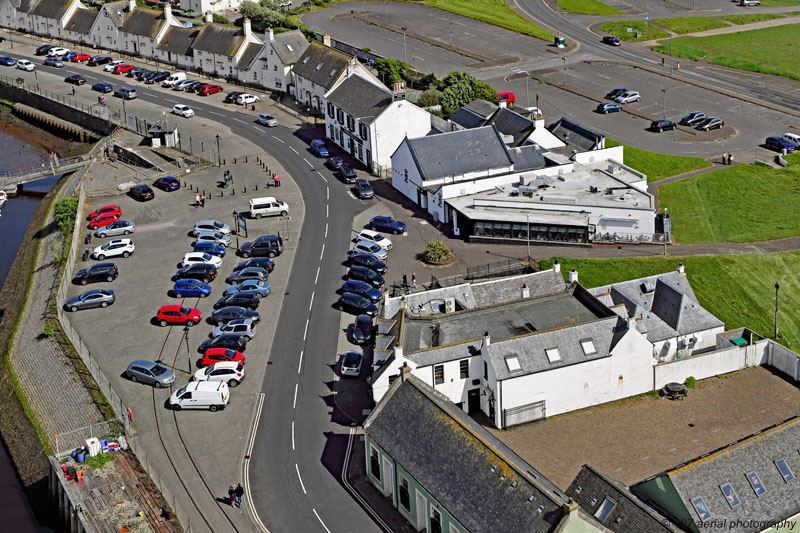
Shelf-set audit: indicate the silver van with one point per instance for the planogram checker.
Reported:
(211, 395)
(268, 206)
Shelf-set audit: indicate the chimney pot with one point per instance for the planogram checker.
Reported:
(209, 17)
(326, 39)
(681, 268)
(270, 35)
(246, 26)
(573, 276)
(556, 266)
(131, 5)
(487, 341)
(526, 292)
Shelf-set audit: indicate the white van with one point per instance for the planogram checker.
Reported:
(269, 206)
(173, 79)
(793, 138)
(211, 395)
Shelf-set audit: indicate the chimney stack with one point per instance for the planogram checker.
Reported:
(270, 35)
(487, 341)
(248, 32)
(681, 268)
(167, 11)
(556, 266)
(526, 292)
(405, 369)
(573, 276)
(326, 39)
(131, 5)
(209, 17)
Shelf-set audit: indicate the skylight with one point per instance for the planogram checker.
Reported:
(730, 495)
(605, 509)
(702, 511)
(552, 354)
(305, 59)
(755, 482)
(332, 74)
(319, 66)
(513, 363)
(289, 47)
(784, 469)
(588, 347)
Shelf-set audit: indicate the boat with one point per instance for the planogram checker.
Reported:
(3, 200)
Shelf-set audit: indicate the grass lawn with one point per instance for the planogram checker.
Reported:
(767, 50)
(780, 3)
(742, 203)
(588, 7)
(658, 166)
(620, 29)
(737, 289)
(751, 17)
(495, 12)
(690, 24)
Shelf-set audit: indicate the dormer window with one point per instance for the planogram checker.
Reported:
(319, 66)
(588, 347)
(305, 59)
(552, 354)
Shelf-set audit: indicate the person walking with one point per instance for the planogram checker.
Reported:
(413, 280)
(197, 200)
(239, 492)
(725, 158)
(405, 281)
(730, 158)
(202, 200)
(231, 495)
(277, 180)
(73, 90)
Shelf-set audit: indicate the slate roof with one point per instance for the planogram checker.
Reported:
(322, 64)
(116, 12)
(51, 9)
(513, 124)
(360, 99)
(251, 52)
(579, 137)
(590, 488)
(26, 6)
(468, 119)
(664, 305)
(482, 108)
(82, 20)
(527, 157)
(459, 152)
(732, 464)
(219, 39)
(440, 125)
(178, 40)
(289, 46)
(143, 22)
(476, 478)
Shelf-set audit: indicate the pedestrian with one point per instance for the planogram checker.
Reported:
(197, 200)
(405, 280)
(203, 200)
(73, 90)
(277, 180)
(730, 158)
(239, 492)
(413, 280)
(725, 158)
(231, 495)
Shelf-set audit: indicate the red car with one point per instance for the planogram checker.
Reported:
(111, 208)
(205, 90)
(177, 314)
(79, 58)
(122, 69)
(215, 355)
(103, 221)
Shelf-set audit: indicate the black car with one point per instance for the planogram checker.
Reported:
(139, 73)
(233, 312)
(142, 192)
(204, 272)
(347, 173)
(369, 261)
(75, 79)
(246, 274)
(231, 97)
(99, 272)
(361, 330)
(357, 305)
(103, 87)
(231, 341)
(95, 61)
(42, 50)
(157, 77)
(695, 117)
(240, 299)
(261, 262)
(616, 92)
(364, 189)
(265, 246)
(367, 275)
(612, 40)
(662, 125)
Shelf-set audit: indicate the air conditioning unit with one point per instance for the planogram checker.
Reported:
(449, 305)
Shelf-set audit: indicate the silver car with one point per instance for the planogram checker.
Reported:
(90, 299)
(120, 227)
(366, 247)
(351, 363)
(267, 120)
(211, 226)
(214, 236)
(151, 373)
(241, 326)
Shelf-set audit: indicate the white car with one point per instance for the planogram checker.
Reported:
(210, 225)
(266, 119)
(628, 97)
(246, 98)
(375, 237)
(183, 110)
(24, 64)
(287, 3)
(228, 372)
(110, 66)
(366, 247)
(58, 51)
(123, 247)
(240, 326)
(200, 257)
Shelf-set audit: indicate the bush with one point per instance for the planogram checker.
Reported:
(690, 382)
(100, 459)
(64, 214)
(219, 19)
(437, 252)
(428, 99)
(49, 330)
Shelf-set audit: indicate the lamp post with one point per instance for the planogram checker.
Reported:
(451, 34)
(405, 54)
(36, 75)
(777, 286)
(219, 154)
(664, 90)
(564, 59)
(387, 14)
(671, 59)
(528, 222)
(188, 353)
(124, 111)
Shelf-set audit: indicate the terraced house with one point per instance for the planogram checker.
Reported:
(218, 48)
(320, 69)
(271, 68)
(176, 47)
(105, 32)
(143, 29)
(42, 17)
(79, 27)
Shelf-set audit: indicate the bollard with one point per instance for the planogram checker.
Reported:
(245, 190)
(233, 192)
(221, 194)
(245, 159)
(256, 187)
(234, 160)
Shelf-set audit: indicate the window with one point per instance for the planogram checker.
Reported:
(275, 68)
(464, 368)
(485, 370)
(362, 131)
(404, 497)
(436, 521)
(756, 484)
(333, 134)
(784, 469)
(374, 463)
(351, 123)
(330, 110)
(588, 347)
(730, 495)
(552, 354)
(438, 374)
(340, 116)
(605, 509)
(513, 363)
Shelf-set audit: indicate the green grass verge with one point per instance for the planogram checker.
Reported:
(658, 166)
(495, 12)
(742, 203)
(780, 3)
(766, 50)
(646, 33)
(791, 14)
(737, 289)
(751, 17)
(588, 7)
(683, 25)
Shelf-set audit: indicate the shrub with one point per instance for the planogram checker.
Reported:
(428, 99)
(64, 214)
(437, 252)
(690, 382)
(49, 330)
(219, 19)
(100, 459)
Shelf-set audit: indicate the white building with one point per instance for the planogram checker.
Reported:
(207, 6)
(219, 48)
(365, 119)
(49, 17)
(143, 29)
(79, 27)
(176, 47)
(271, 67)
(105, 32)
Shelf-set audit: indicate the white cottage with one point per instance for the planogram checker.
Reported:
(143, 29)
(218, 48)
(271, 66)
(49, 17)
(105, 31)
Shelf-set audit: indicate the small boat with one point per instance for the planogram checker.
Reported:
(3, 197)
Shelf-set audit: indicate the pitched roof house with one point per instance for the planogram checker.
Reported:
(218, 48)
(176, 46)
(49, 17)
(143, 29)
(79, 26)
(271, 65)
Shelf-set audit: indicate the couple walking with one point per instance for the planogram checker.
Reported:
(199, 200)
(235, 494)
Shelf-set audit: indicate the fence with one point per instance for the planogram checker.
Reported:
(70, 440)
(632, 238)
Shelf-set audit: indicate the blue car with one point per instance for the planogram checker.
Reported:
(607, 107)
(102, 87)
(319, 149)
(362, 289)
(168, 183)
(210, 248)
(53, 62)
(191, 288)
(69, 55)
(387, 225)
(7, 61)
(779, 144)
(260, 288)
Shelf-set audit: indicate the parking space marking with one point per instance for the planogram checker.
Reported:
(311, 303)
(294, 402)
(239, 120)
(279, 140)
(301, 479)
(292, 435)
(309, 163)
(300, 364)
(320, 520)
(293, 150)
(215, 113)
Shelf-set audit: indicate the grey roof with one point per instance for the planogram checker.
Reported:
(459, 152)
(322, 64)
(590, 488)
(705, 476)
(578, 137)
(26, 6)
(144, 22)
(482, 108)
(440, 125)
(475, 477)
(664, 305)
(82, 20)
(468, 119)
(178, 40)
(116, 12)
(513, 124)
(289, 46)
(51, 9)
(527, 157)
(251, 52)
(360, 99)
(219, 39)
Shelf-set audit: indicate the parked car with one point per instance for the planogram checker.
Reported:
(365, 247)
(364, 189)
(710, 123)
(375, 237)
(119, 227)
(126, 93)
(7, 61)
(361, 330)
(792, 138)
(268, 206)
(226, 340)
(53, 62)
(69, 55)
(749, 3)
(211, 395)
(75, 79)
(183, 110)
(181, 85)
(80, 58)
(205, 272)
(168, 183)
(351, 364)
(192, 258)
(262, 262)
(613, 93)
(207, 90)
(662, 125)
(229, 372)
(124, 68)
(695, 117)
(218, 355)
(387, 225)
(264, 246)
(319, 149)
(210, 248)
(215, 237)
(334, 162)
(346, 173)
(114, 248)
(245, 99)
(102, 220)
(99, 272)
(111, 65)
(265, 119)
(172, 79)
(508, 97)
(42, 50)
(608, 107)
(362, 288)
(231, 97)
(240, 326)
(177, 314)
(247, 300)
(779, 144)
(95, 61)
(369, 261)
(157, 77)
(139, 73)
(103, 87)
(366, 275)
(150, 373)
(193, 86)
(90, 299)
(260, 288)
(612, 40)
(24, 64)
(191, 288)
(210, 226)
(57, 51)
(357, 305)
(232, 312)
(628, 97)
(142, 192)
(106, 209)
(247, 273)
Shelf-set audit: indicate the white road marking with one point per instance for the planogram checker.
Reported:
(72, 72)
(309, 163)
(293, 150)
(249, 496)
(262, 130)
(327, 193)
(239, 120)
(322, 252)
(292, 434)
(320, 520)
(305, 333)
(317, 276)
(294, 402)
(301, 481)
(173, 101)
(90, 77)
(326, 230)
(279, 140)
(326, 210)
(215, 113)
(311, 303)
(300, 364)
(146, 95)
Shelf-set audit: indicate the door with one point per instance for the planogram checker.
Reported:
(388, 482)
(473, 401)
(422, 512)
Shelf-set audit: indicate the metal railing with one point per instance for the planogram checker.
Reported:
(632, 238)
(497, 269)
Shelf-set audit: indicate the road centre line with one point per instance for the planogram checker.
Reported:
(301, 479)
(317, 276)
(279, 140)
(309, 163)
(300, 364)
(320, 520)
(239, 120)
(292, 434)
(173, 101)
(327, 213)
(293, 150)
(322, 252)
(321, 176)
(305, 333)
(90, 77)
(326, 230)
(294, 402)
(327, 193)
(311, 303)
(215, 113)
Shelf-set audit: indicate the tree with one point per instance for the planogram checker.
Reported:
(262, 15)
(461, 88)
(64, 213)
(219, 19)
(391, 70)
(429, 98)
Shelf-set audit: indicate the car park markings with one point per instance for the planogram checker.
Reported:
(297, 468)
(320, 520)
(293, 150)
(279, 140)
(309, 163)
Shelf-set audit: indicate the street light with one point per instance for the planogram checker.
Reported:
(777, 286)
(664, 90)
(188, 353)
(36, 75)
(451, 34)
(387, 14)
(527, 96)
(405, 55)
(219, 154)
(564, 59)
